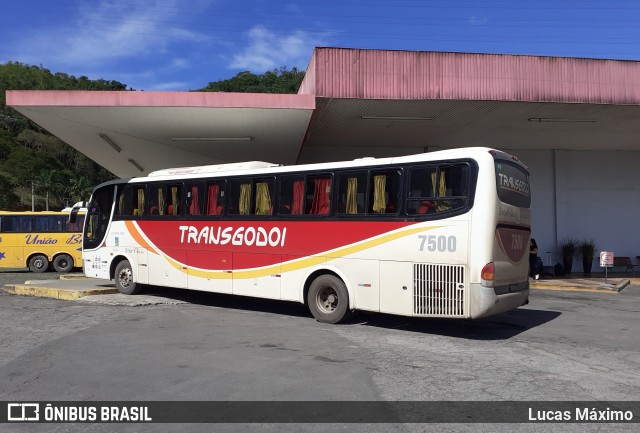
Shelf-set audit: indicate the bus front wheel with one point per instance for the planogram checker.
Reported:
(63, 263)
(328, 299)
(38, 263)
(124, 279)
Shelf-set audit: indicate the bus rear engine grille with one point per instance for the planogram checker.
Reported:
(438, 290)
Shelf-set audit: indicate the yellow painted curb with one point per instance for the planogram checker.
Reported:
(74, 277)
(573, 289)
(616, 289)
(49, 292)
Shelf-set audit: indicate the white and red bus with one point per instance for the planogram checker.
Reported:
(442, 234)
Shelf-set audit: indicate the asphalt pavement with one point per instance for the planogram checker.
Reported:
(564, 345)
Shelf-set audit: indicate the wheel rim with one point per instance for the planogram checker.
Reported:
(38, 263)
(327, 299)
(125, 277)
(63, 263)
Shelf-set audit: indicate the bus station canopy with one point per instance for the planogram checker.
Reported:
(356, 103)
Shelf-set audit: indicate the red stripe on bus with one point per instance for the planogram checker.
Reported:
(250, 244)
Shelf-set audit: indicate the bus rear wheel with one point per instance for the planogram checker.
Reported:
(38, 263)
(63, 263)
(328, 299)
(124, 279)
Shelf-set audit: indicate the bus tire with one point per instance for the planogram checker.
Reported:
(38, 263)
(124, 279)
(328, 299)
(63, 263)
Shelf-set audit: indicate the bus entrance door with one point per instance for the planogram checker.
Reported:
(143, 266)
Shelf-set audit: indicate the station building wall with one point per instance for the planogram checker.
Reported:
(584, 195)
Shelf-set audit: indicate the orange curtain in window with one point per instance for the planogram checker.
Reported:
(379, 199)
(352, 189)
(263, 199)
(297, 207)
(245, 199)
(212, 199)
(321, 197)
(194, 207)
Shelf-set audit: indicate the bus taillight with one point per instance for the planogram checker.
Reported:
(488, 275)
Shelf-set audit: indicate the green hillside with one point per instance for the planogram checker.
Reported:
(31, 159)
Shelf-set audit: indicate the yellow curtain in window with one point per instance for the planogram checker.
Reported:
(141, 202)
(443, 205)
(245, 199)
(174, 200)
(352, 189)
(263, 200)
(91, 224)
(379, 199)
(121, 205)
(160, 201)
(433, 183)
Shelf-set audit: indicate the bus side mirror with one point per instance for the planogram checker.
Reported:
(73, 214)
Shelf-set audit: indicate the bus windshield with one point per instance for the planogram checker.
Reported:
(512, 184)
(98, 214)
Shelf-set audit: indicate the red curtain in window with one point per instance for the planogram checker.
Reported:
(321, 197)
(194, 208)
(212, 199)
(297, 207)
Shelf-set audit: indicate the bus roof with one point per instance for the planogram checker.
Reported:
(260, 167)
(207, 169)
(39, 212)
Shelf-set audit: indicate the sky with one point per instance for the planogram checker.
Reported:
(176, 45)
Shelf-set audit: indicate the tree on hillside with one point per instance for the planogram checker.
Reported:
(277, 81)
(52, 182)
(30, 155)
(79, 189)
(8, 199)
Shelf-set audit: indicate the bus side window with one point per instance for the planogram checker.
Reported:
(292, 199)
(173, 200)
(384, 192)
(48, 223)
(124, 205)
(215, 198)
(25, 224)
(352, 193)
(319, 195)
(9, 224)
(437, 189)
(263, 199)
(240, 197)
(195, 199)
(138, 201)
(157, 200)
(422, 190)
(76, 226)
(453, 184)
